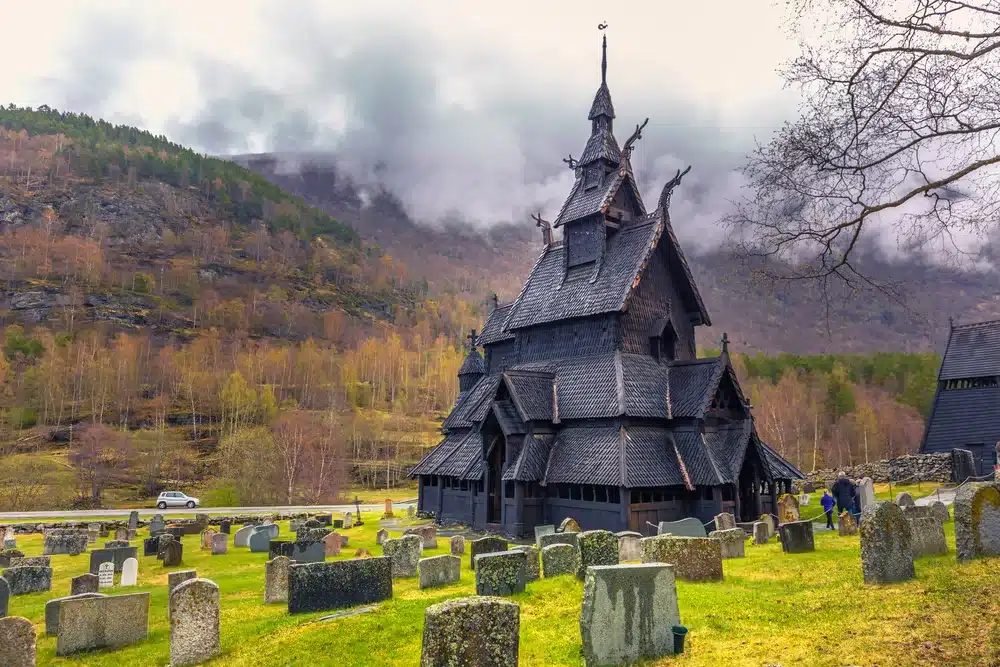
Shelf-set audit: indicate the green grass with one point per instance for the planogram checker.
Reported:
(915, 490)
(772, 608)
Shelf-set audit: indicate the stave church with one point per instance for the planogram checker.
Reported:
(587, 399)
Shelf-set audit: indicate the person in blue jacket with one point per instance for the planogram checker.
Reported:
(828, 502)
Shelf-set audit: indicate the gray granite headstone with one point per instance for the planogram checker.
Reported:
(175, 579)
(977, 520)
(797, 537)
(478, 631)
(457, 544)
(534, 563)
(157, 524)
(732, 541)
(963, 465)
(693, 558)
(485, 545)
(260, 541)
(927, 535)
(85, 583)
(404, 553)
(172, 554)
(544, 529)
(560, 559)
(116, 544)
(628, 613)
(904, 499)
(572, 539)
(17, 642)
(439, 570)
(428, 535)
(886, 544)
(276, 579)
(597, 547)
(689, 527)
(117, 556)
(724, 521)
(28, 579)
(339, 584)
(7, 555)
(240, 539)
(86, 624)
(760, 532)
(381, 536)
(220, 542)
(133, 520)
(150, 546)
(940, 511)
(194, 622)
(71, 542)
(52, 610)
(501, 573)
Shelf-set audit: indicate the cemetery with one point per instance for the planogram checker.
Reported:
(566, 598)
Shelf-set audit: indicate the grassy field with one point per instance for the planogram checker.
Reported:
(772, 608)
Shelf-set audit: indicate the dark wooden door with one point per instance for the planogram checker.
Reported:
(495, 498)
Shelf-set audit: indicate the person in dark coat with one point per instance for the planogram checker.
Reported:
(843, 491)
(827, 502)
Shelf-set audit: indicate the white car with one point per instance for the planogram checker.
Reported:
(176, 499)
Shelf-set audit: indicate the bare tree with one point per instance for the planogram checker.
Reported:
(898, 135)
(102, 457)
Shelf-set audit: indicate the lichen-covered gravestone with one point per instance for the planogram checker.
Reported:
(846, 525)
(694, 558)
(175, 579)
(86, 624)
(471, 632)
(404, 553)
(17, 642)
(977, 521)
(31, 561)
(276, 579)
(732, 542)
(560, 559)
(439, 570)
(886, 544)
(173, 554)
(628, 613)
(485, 545)
(724, 521)
(28, 579)
(628, 546)
(927, 536)
(569, 525)
(597, 547)
(428, 534)
(797, 537)
(52, 611)
(501, 573)
(4, 596)
(194, 622)
(572, 539)
(457, 544)
(161, 547)
(533, 566)
(940, 511)
(338, 584)
(904, 499)
(116, 544)
(760, 532)
(85, 583)
(788, 509)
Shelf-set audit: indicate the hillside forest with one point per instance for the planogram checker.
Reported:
(175, 320)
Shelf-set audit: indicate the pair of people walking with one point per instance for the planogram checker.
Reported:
(844, 492)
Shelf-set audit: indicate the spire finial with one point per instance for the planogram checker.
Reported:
(604, 54)
(725, 343)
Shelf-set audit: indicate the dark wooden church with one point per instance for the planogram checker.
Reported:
(966, 409)
(589, 401)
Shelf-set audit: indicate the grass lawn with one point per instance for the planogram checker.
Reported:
(772, 608)
(915, 490)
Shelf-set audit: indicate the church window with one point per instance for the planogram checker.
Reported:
(972, 383)
(709, 495)
(465, 485)
(588, 493)
(574, 492)
(508, 490)
(601, 494)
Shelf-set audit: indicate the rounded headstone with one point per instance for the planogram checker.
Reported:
(904, 499)
(457, 545)
(886, 544)
(940, 511)
(977, 521)
(194, 622)
(569, 525)
(17, 642)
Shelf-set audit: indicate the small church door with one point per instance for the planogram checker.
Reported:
(494, 500)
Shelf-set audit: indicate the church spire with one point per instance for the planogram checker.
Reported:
(604, 61)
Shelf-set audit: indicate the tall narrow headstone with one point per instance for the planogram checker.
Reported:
(106, 575)
(17, 642)
(194, 622)
(130, 572)
(866, 491)
(276, 580)
(4, 596)
(886, 544)
(788, 509)
(477, 631)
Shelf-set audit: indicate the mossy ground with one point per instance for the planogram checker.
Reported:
(772, 608)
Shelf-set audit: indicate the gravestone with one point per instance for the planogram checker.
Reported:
(560, 559)
(940, 511)
(31, 561)
(220, 542)
(866, 492)
(92, 536)
(116, 544)
(338, 523)
(628, 546)
(348, 520)
(86, 624)
(344, 539)
(457, 544)
(569, 525)
(157, 525)
(485, 545)
(17, 642)
(904, 499)
(294, 525)
(331, 544)
(176, 531)
(272, 530)
(117, 556)
(194, 622)
(544, 529)
(307, 552)
(387, 513)
(628, 613)
(175, 579)
(404, 554)
(803, 499)
(732, 542)
(689, 527)
(242, 536)
(172, 554)
(381, 536)
(770, 523)
(694, 558)
(797, 537)
(927, 536)
(501, 573)
(11, 543)
(4, 597)
(52, 610)
(260, 541)
(206, 539)
(130, 572)
(28, 579)
(846, 525)
(105, 531)
(225, 527)
(150, 546)
(163, 540)
(428, 535)
(410, 511)
(439, 570)
(572, 539)
(311, 523)
(7, 555)
(121, 535)
(276, 580)
(471, 632)
(886, 544)
(533, 566)
(85, 583)
(913, 511)
(325, 519)
(338, 584)
(724, 521)
(977, 521)
(788, 509)
(70, 542)
(963, 465)
(597, 547)
(133, 520)
(760, 533)
(106, 575)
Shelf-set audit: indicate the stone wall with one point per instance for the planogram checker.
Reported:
(213, 520)
(921, 467)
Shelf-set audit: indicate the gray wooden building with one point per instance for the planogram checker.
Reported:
(589, 400)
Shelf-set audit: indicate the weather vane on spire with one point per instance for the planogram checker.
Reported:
(604, 52)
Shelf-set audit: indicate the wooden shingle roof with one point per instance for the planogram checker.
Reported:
(973, 351)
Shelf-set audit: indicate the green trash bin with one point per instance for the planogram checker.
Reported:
(680, 632)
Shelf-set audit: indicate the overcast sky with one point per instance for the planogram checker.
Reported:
(458, 107)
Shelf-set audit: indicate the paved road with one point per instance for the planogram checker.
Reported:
(947, 496)
(311, 509)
